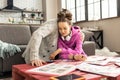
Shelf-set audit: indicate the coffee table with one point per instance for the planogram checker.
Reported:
(19, 73)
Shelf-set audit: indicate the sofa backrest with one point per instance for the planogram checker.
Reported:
(88, 34)
(34, 27)
(15, 34)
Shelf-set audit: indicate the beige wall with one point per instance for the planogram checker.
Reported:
(111, 32)
(51, 9)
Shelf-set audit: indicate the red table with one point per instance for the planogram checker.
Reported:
(18, 73)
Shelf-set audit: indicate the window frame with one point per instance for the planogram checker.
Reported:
(86, 11)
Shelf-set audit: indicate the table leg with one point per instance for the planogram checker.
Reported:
(16, 76)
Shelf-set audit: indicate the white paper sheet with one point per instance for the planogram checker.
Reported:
(103, 70)
(53, 69)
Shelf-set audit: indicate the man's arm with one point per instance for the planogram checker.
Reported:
(40, 33)
(36, 39)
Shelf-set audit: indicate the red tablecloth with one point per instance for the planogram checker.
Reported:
(19, 73)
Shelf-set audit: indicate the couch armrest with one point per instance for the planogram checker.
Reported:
(88, 34)
(89, 47)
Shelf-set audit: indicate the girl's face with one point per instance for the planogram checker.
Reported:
(64, 28)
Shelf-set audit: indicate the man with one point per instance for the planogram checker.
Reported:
(42, 43)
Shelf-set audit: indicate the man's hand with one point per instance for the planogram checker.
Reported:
(37, 62)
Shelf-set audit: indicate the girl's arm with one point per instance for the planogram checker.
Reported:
(52, 56)
(65, 51)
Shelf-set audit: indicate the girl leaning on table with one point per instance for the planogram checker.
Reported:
(69, 40)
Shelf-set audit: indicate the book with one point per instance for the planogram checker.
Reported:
(96, 58)
(111, 71)
(116, 59)
(60, 68)
(102, 60)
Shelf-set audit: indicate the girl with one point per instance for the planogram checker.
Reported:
(69, 40)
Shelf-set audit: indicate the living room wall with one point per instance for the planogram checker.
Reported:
(51, 8)
(111, 32)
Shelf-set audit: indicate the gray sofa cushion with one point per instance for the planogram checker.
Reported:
(89, 47)
(12, 34)
(88, 34)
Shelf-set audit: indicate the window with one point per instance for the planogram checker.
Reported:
(71, 7)
(80, 10)
(77, 7)
(91, 9)
(109, 8)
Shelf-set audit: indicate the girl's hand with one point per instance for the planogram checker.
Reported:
(52, 56)
(80, 57)
(70, 56)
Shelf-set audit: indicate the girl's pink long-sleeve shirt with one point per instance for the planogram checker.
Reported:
(73, 46)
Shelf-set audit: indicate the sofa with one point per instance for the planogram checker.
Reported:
(20, 35)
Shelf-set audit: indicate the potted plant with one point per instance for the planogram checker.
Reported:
(32, 15)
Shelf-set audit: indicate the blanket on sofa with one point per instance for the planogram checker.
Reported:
(7, 49)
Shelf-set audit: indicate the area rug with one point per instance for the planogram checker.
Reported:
(105, 52)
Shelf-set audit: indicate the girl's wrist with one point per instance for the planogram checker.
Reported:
(58, 51)
(73, 57)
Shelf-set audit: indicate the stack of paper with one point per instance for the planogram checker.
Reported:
(103, 70)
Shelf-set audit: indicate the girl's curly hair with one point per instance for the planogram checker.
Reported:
(64, 16)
